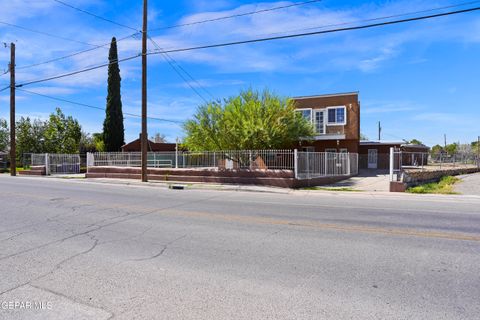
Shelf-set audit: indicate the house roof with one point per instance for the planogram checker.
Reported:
(135, 145)
(355, 93)
(380, 142)
(389, 143)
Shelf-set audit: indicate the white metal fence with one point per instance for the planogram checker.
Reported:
(3, 161)
(401, 160)
(306, 165)
(57, 163)
(326, 164)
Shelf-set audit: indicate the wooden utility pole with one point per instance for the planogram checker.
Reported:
(445, 139)
(379, 131)
(144, 144)
(13, 152)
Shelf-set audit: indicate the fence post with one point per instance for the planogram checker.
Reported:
(90, 160)
(392, 155)
(176, 156)
(295, 163)
(348, 163)
(326, 163)
(214, 160)
(47, 165)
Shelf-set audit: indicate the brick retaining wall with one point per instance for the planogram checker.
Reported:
(276, 178)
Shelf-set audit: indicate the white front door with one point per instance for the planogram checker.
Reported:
(372, 158)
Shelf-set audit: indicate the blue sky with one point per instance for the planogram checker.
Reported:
(419, 79)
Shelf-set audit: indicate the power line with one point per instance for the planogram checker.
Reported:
(172, 63)
(298, 35)
(72, 54)
(7, 87)
(236, 15)
(379, 18)
(96, 16)
(46, 33)
(76, 72)
(95, 107)
(261, 40)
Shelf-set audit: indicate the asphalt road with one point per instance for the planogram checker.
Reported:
(79, 250)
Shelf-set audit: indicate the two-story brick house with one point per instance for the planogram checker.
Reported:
(336, 119)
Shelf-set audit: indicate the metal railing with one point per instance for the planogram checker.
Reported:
(326, 164)
(235, 159)
(423, 161)
(427, 161)
(56, 163)
(3, 162)
(306, 165)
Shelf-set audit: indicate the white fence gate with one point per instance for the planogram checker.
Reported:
(326, 164)
(57, 163)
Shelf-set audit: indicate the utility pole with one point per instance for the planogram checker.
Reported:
(445, 139)
(144, 144)
(478, 151)
(13, 155)
(379, 131)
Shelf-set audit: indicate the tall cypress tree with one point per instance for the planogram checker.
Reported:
(113, 130)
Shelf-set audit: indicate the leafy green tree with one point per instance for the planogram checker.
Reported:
(30, 137)
(249, 121)
(363, 136)
(415, 141)
(475, 146)
(436, 149)
(62, 134)
(87, 143)
(98, 141)
(451, 148)
(113, 129)
(4, 135)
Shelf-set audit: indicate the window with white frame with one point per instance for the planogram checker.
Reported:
(337, 115)
(306, 113)
(319, 121)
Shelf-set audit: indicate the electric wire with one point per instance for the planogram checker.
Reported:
(70, 55)
(77, 72)
(174, 64)
(377, 18)
(236, 15)
(46, 34)
(96, 16)
(374, 25)
(95, 107)
(305, 34)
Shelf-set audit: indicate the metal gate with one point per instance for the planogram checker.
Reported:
(57, 163)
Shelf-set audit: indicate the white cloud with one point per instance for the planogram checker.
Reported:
(389, 107)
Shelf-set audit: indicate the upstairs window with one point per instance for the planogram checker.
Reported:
(337, 116)
(306, 113)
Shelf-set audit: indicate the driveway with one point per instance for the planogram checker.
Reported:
(470, 184)
(367, 180)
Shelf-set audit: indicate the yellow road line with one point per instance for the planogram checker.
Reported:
(274, 221)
